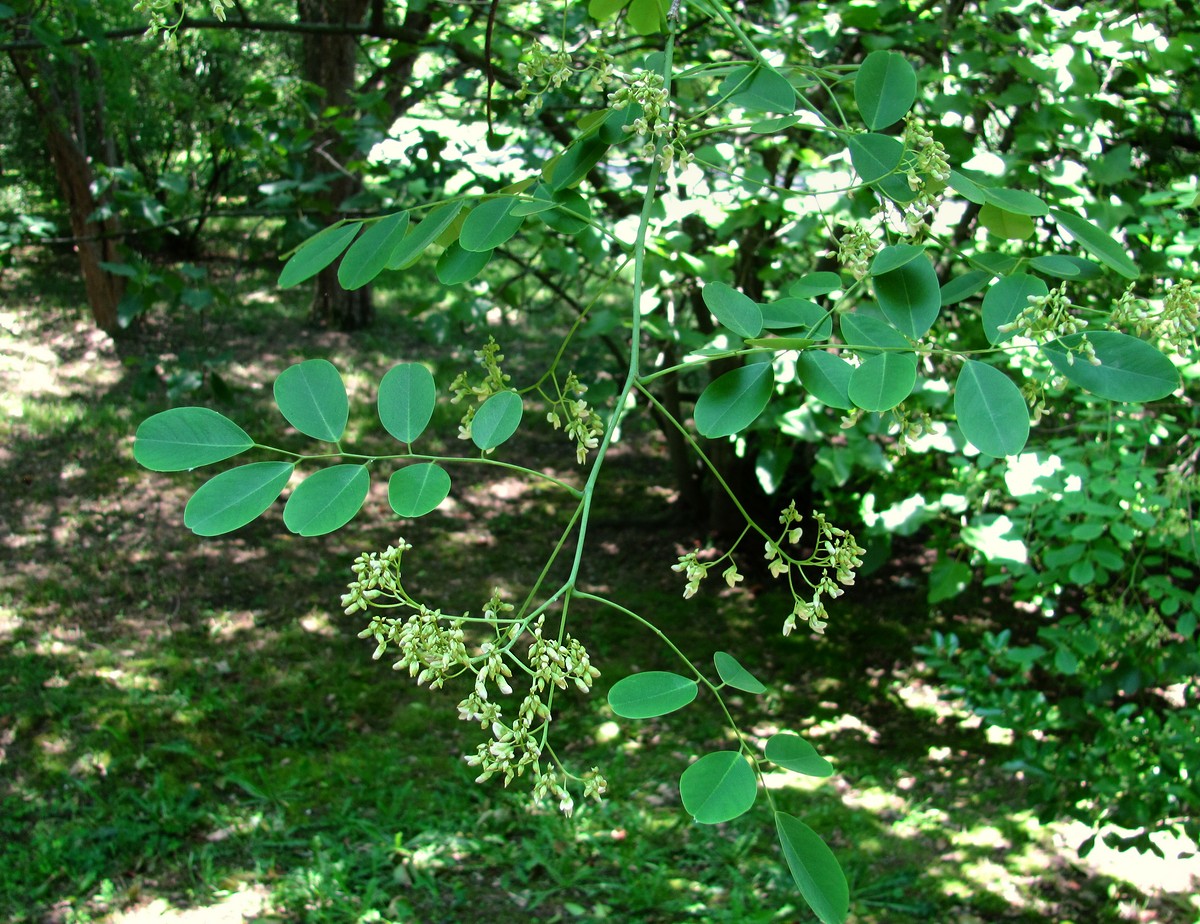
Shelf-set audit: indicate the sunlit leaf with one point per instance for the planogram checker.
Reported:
(883, 381)
(647, 17)
(317, 253)
(416, 490)
(759, 88)
(368, 256)
(874, 156)
(1100, 244)
(565, 202)
(894, 257)
(885, 88)
(1006, 300)
(991, 413)
(1016, 201)
(736, 311)
(866, 334)
(733, 401)
(312, 398)
(967, 188)
(794, 753)
(187, 437)
(1004, 224)
(490, 224)
(798, 315)
(1130, 369)
(496, 420)
(327, 500)
(718, 787)
(234, 498)
(827, 377)
(730, 670)
(814, 869)
(420, 237)
(569, 168)
(605, 9)
(407, 396)
(650, 694)
(910, 296)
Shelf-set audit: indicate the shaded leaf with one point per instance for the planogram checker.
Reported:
(827, 377)
(814, 869)
(812, 284)
(794, 753)
(894, 257)
(456, 265)
(733, 401)
(718, 787)
(420, 237)
(576, 162)
(407, 396)
(730, 670)
(1100, 244)
(327, 500)
(416, 490)
(991, 413)
(963, 287)
(910, 297)
(234, 498)
(312, 398)
(736, 311)
(650, 694)
(368, 256)
(317, 253)
(874, 156)
(1016, 201)
(866, 334)
(496, 420)
(798, 315)
(187, 437)
(967, 188)
(490, 224)
(759, 88)
(883, 381)
(1006, 300)
(1004, 224)
(1059, 267)
(885, 88)
(1130, 369)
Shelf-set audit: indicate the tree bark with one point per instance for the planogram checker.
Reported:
(329, 61)
(96, 241)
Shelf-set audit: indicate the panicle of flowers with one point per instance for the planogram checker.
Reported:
(645, 88)
(1049, 317)
(694, 570)
(494, 380)
(572, 414)
(541, 69)
(856, 247)
(836, 553)
(930, 158)
(165, 16)
(1180, 316)
(913, 424)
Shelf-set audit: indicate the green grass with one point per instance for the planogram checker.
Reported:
(183, 718)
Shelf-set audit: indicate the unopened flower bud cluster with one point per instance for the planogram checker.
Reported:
(856, 247)
(836, 552)
(646, 89)
(158, 10)
(1174, 325)
(432, 647)
(930, 160)
(1049, 317)
(572, 414)
(913, 424)
(494, 380)
(542, 69)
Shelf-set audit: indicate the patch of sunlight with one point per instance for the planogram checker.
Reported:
(242, 905)
(841, 724)
(1177, 870)
(786, 779)
(607, 733)
(316, 622)
(990, 535)
(10, 622)
(124, 680)
(1025, 470)
(92, 763)
(876, 800)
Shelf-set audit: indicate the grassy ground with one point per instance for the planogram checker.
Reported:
(191, 723)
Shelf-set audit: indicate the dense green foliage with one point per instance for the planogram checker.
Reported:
(884, 261)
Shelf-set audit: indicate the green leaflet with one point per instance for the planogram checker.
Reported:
(650, 694)
(1098, 243)
(759, 88)
(794, 753)
(234, 498)
(1006, 300)
(317, 253)
(733, 401)
(814, 869)
(990, 410)
(730, 670)
(874, 156)
(910, 296)
(883, 381)
(885, 88)
(496, 420)
(1130, 369)
(457, 265)
(490, 224)
(368, 256)
(312, 398)
(733, 309)
(184, 438)
(327, 500)
(407, 396)
(416, 490)
(718, 787)
(827, 377)
(418, 238)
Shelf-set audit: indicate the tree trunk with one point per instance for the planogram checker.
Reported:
(95, 240)
(329, 61)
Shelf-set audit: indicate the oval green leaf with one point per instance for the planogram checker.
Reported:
(496, 420)
(569, 168)
(570, 212)
(1130, 369)
(312, 397)
(650, 694)
(456, 265)
(647, 17)
(1100, 244)
(1055, 265)
(368, 256)
(416, 490)
(407, 396)
(885, 88)
(799, 316)
(738, 312)
(419, 237)
(813, 284)
(814, 869)
(1007, 299)
(733, 401)
(759, 88)
(827, 377)
(1004, 224)
(317, 253)
(490, 224)
(883, 381)
(874, 156)
(794, 753)
(910, 297)
(963, 287)
(894, 257)
(718, 787)
(234, 498)
(730, 670)
(327, 500)
(1016, 201)
(991, 413)
(187, 437)
(967, 188)
(866, 334)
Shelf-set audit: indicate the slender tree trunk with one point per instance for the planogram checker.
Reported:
(96, 240)
(329, 61)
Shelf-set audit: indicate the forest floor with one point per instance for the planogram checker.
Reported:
(191, 730)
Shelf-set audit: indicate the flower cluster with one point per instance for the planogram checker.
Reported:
(1049, 317)
(157, 11)
(572, 414)
(696, 571)
(433, 648)
(494, 380)
(856, 247)
(646, 90)
(930, 158)
(1174, 325)
(541, 70)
